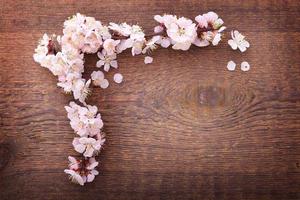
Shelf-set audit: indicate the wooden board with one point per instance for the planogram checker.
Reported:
(181, 128)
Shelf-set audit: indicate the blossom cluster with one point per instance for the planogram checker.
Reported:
(82, 171)
(63, 56)
(182, 32)
(87, 124)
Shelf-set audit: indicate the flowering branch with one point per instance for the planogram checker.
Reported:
(63, 56)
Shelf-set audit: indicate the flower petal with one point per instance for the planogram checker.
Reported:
(89, 151)
(104, 84)
(232, 44)
(118, 78)
(231, 65)
(148, 60)
(245, 66)
(79, 148)
(90, 177)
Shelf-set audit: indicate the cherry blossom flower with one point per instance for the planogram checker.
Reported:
(110, 46)
(213, 20)
(137, 47)
(87, 146)
(81, 89)
(135, 37)
(213, 24)
(118, 78)
(84, 120)
(82, 33)
(182, 33)
(238, 41)
(84, 171)
(245, 66)
(107, 61)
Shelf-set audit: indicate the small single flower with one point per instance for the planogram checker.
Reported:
(182, 33)
(107, 60)
(231, 65)
(81, 89)
(84, 172)
(238, 41)
(245, 66)
(118, 78)
(87, 146)
(148, 60)
(110, 46)
(92, 42)
(137, 47)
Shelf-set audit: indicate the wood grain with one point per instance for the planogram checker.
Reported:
(181, 128)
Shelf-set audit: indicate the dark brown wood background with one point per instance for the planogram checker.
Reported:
(181, 128)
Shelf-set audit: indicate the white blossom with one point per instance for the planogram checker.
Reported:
(109, 46)
(238, 41)
(84, 120)
(182, 33)
(106, 60)
(81, 89)
(87, 146)
(84, 172)
(83, 33)
(211, 29)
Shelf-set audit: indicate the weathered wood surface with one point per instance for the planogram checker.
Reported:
(181, 128)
